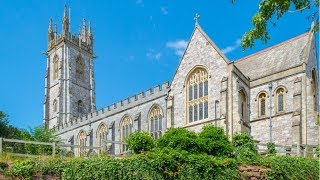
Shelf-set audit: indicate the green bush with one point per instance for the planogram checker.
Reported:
(23, 169)
(214, 141)
(288, 167)
(244, 148)
(271, 148)
(180, 139)
(3, 165)
(140, 142)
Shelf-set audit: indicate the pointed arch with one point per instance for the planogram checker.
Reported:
(125, 130)
(155, 117)
(279, 94)
(262, 99)
(82, 141)
(197, 94)
(101, 134)
(243, 105)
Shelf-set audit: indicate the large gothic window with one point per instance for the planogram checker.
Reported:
(55, 105)
(243, 105)
(55, 67)
(155, 121)
(101, 135)
(79, 68)
(125, 130)
(280, 99)
(197, 99)
(262, 101)
(82, 142)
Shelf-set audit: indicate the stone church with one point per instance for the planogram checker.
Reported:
(270, 94)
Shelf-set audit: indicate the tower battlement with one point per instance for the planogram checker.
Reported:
(84, 39)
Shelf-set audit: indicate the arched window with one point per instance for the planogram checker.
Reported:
(197, 95)
(79, 68)
(155, 121)
(55, 67)
(101, 135)
(243, 105)
(80, 107)
(280, 99)
(82, 141)
(314, 89)
(262, 104)
(125, 130)
(55, 105)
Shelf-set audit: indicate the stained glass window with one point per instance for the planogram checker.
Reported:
(263, 107)
(206, 110)
(200, 90)
(195, 114)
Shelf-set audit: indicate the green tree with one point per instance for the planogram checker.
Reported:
(272, 10)
(140, 141)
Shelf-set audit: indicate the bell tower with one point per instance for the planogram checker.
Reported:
(69, 80)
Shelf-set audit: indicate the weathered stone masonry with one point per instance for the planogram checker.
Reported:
(235, 95)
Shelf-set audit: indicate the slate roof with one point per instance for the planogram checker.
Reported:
(280, 57)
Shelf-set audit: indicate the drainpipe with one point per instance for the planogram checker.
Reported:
(270, 114)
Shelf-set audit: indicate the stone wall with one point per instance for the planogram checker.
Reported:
(200, 52)
(137, 107)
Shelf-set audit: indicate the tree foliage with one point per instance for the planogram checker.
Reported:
(140, 141)
(271, 11)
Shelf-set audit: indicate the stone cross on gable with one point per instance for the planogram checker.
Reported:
(196, 18)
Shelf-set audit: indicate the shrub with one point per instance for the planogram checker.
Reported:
(288, 167)
(181, 139)
(244, 148)
(214, 141)
(3, 166)
(140, 142)
(271, 148)
(23, 169)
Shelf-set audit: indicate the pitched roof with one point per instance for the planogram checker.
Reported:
(280, 57)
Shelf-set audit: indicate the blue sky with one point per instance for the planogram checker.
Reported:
(138, 44)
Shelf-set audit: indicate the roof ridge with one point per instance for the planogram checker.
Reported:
(272, 47)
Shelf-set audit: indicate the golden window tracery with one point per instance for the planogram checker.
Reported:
(155, 121)
(197, 95)
(82, 142)
(125, 130)
(101, 135)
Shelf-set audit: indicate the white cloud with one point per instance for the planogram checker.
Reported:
(228, 49)
(178, 46)
(152, 54)
(164, 10)
(140, 2)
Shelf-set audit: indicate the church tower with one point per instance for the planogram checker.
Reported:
(69, 80)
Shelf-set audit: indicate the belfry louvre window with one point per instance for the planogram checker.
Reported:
(55, 67)
(79, 68)
(197, 99)
(155, 121)
(125, 130)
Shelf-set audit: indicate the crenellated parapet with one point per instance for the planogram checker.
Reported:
(123, 105)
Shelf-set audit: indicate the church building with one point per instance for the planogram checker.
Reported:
(270, 94)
